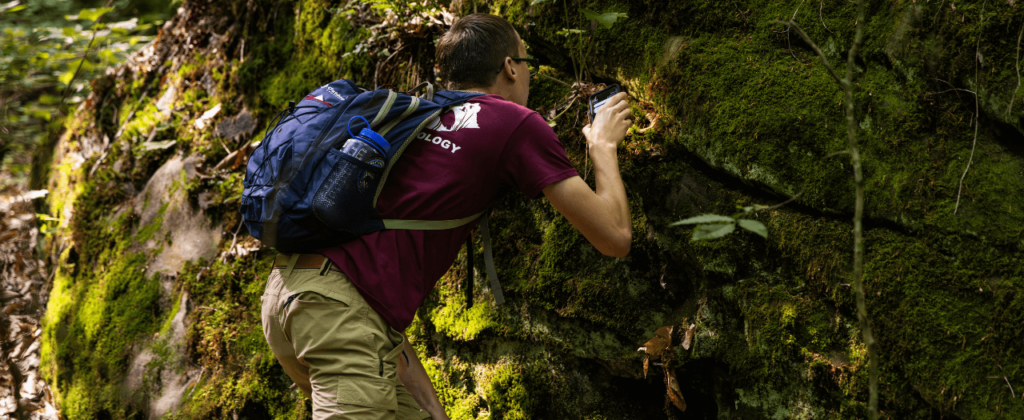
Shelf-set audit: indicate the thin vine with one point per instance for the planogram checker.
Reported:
(846, 83)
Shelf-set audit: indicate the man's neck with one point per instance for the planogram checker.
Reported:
(489, 90)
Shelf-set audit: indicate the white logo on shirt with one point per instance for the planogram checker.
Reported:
(444, 143)
(465, 117)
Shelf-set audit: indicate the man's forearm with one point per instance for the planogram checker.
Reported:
(417, 383)
(609, 185)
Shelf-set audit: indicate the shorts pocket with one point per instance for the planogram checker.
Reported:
(310, 307)
(368, 392)
(389, 364)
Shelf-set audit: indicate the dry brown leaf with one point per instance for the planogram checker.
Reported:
(688, 336)
(674, 394)
(661, 341)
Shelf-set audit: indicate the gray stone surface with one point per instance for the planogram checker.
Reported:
(185, 233)
(241, 125)
(164, 383)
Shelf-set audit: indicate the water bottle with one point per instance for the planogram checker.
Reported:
(348, 183)
(368, 147)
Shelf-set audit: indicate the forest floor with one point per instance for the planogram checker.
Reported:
(23, 295)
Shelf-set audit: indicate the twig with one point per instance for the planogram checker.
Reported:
(1012, 98)
(820, 5)
(793, 20)
(775, 206)
(977, 117)
(377, 69)
(1012, 394)
(858, 217)
(226, 150)
(98, 162)
(951, 90)
(200, 275)
(131, 114)
(552, 78)
(936, 18)
(224, 257)
(197, 383)
(740, 12)
(54, 263)
(566, 108)
(85, 55)
(793, 25)
(971, 159)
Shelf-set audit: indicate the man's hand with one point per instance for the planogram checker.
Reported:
(610, 124)
(602, 216)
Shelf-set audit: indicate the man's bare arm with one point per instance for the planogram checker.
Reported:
(417, 383)
(602, 216)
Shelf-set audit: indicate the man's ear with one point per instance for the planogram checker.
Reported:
(508, 68)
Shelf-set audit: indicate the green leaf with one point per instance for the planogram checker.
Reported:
(754, 226)
(713, 231)
(536, 2)
(47, 99)
(704, 218)
(89, 14)
(65, 77)
(16, 8)
(39, 113)
(158, 145)
(567, 32)
(606, 19)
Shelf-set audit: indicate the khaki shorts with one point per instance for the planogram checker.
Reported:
(336, 348)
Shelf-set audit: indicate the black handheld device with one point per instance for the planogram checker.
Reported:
(598, 99)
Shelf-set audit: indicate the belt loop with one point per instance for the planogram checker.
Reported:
(291, 265)
(324, 266)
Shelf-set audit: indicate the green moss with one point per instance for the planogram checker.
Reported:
(745, 115)
(92, 324)
(506, 393)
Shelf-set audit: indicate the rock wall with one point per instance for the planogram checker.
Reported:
(731, 111)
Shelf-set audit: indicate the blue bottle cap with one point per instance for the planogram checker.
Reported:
(371, 135)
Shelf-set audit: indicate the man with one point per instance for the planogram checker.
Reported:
(334, 319)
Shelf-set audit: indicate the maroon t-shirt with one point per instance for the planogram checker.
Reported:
(458, 167)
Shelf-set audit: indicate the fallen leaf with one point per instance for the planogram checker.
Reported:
(674, 394)
(206, 117)
(688, 336)
(662, 340)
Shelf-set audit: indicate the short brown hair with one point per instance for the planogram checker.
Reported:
(473, 50)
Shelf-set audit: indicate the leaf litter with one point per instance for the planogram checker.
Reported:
(24, 284)
(660, 351)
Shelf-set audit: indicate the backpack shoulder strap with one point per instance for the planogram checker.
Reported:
(492, 274)
(449, 98)
(429, 224)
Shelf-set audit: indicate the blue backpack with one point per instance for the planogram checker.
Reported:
(302, 193)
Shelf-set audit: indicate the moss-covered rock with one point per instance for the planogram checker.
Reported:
(731, 111)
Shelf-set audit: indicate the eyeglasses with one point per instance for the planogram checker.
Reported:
(532, 63)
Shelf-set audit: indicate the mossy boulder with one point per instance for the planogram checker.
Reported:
(730, 109)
